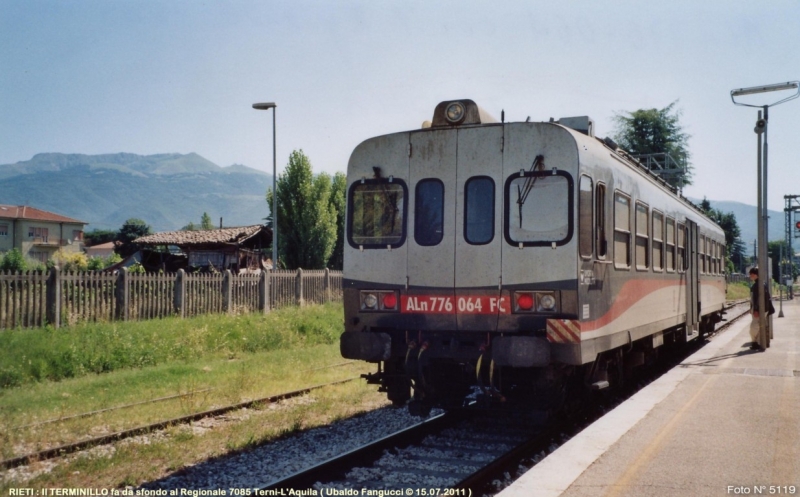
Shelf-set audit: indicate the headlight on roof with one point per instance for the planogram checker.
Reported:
(455, 112)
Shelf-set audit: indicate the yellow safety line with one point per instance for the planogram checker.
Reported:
(653, 448)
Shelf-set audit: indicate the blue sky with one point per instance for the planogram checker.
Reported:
(152, 77)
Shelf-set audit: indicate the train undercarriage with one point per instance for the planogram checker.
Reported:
(448, 370)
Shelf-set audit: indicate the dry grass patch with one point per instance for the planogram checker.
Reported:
(154, 456)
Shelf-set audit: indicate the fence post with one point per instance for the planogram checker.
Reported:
(180, 293)
(226, 291)
(54, 297)
(298, 287)
(123, 295)
(263, 292)
(326, 294)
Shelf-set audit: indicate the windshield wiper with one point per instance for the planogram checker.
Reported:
(525, 189)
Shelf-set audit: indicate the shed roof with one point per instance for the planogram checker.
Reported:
(34, 214)
(205, 237)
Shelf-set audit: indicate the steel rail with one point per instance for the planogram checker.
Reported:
(337, 466)
(150, 401)
(121, 435)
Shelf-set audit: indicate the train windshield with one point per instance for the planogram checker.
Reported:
(377, 213)
(538, 208)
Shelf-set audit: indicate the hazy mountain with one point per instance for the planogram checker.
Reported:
(165, 190)
(747, 218)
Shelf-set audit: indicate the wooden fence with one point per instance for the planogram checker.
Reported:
(33, 299)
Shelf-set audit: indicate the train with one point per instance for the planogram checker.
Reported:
(510, 259)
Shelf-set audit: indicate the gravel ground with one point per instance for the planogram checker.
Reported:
(276, 460)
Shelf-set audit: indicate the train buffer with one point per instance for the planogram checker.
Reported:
(724, 422)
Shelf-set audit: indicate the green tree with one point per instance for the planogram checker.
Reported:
(132, 229)
(190, 227)
(306, 216)
(656, 131)
(97, 237)
(205, 222)
(13, 261)
(774, 251)
(338, 201)
(734, 246)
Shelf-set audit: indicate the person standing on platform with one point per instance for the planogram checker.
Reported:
(754, 324)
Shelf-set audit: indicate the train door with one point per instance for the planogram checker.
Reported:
(692, 281)
(478, 241)
(432, 221)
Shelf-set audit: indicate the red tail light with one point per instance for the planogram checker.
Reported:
(389, 301)
(525, 301)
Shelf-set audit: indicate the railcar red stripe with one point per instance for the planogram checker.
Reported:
(631, 292)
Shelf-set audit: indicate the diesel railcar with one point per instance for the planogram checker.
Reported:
(513, 257)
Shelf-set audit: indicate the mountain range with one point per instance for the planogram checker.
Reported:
(170, 190)
(166, 190)
(747, 217)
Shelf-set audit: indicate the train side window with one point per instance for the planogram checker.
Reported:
(658, 241)
(600, 220)
(703, 255)
(378, 210)
(479, 210)
(585, 221)
(717, 259)
(670, 245)
(429, 212)
(622, 231)
(714, 261)
(681, 248)
(642, 236)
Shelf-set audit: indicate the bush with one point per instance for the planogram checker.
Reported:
(99, 263)
(13, 261)
(71, 261)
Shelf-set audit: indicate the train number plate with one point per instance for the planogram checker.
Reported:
(448, 304)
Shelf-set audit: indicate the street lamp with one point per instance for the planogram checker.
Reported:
(273, 106)
(761, 128)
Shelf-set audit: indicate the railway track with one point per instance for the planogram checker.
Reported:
(455, 450)
(88, 443)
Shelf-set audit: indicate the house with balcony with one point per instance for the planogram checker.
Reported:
(38, 234)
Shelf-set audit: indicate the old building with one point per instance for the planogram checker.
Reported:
(236, 249)
(38, 234)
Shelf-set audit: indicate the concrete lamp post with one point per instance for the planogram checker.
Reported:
(273, 106)
(761, 129)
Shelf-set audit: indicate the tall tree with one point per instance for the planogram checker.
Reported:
(734, 246)
(306, 216)
(338, 200)
(205, 222)
(131, 229)
(656, 131)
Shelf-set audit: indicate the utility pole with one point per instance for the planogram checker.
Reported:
(761, 131)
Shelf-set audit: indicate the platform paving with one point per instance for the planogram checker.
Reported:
(724, 422)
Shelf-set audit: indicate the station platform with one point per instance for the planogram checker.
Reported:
(726, 421)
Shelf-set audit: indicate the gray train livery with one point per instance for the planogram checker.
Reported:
(510, 260)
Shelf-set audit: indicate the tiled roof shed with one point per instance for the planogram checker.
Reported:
(226, 236)
(225, 248)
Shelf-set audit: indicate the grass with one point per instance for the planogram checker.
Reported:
(28, 356)
(738, 291)
(209, 362)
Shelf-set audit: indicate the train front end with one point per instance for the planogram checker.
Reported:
(461, 257)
